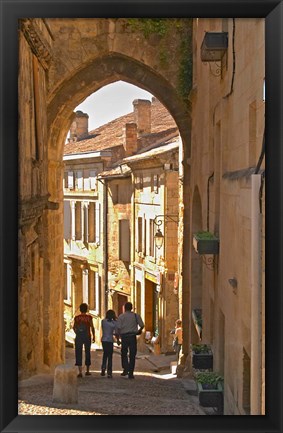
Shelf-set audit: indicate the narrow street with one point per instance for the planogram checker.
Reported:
(155, 391)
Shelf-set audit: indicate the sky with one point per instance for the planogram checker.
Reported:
(110, 102)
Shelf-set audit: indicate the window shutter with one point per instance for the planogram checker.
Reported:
(78, 220)
(86, 184)
(92, 179)
(79, 180)
(91, 222)
(70, 179)
(124, 240)
(67, 220)
(97, 222)
(85, 214)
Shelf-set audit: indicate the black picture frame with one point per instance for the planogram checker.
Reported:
(11, 11)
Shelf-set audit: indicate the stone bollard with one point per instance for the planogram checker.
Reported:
(65, 388)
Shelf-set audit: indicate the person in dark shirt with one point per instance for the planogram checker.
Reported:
(84, 330)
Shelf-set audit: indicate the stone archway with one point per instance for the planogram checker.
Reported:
(74, 58)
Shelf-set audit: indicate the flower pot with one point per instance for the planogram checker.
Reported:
(206, 245)
(211, 397)
(202, 361)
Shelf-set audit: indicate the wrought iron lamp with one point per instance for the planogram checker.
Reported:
(159, 237)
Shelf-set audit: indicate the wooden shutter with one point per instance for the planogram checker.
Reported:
(67, 220)
(124, 240)
(97, 222)
(70, 179)
(79, 180)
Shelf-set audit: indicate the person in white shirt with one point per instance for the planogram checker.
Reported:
(129, 325)
(108, 327)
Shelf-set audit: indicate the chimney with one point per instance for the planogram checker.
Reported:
(79, 127)
(142, 115)
(130, 138)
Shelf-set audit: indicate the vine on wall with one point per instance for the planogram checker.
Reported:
(164, 29)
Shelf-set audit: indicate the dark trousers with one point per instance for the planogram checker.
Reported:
(107, 356)
(81, 341)
(128, 352)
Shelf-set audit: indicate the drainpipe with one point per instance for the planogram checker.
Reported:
(256, 298)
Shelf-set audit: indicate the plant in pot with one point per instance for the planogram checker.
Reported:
(205, 242)
(210, 389)
(202, 357)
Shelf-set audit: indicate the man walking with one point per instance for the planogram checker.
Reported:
(129, 325)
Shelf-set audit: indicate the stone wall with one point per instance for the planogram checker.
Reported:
(227, 132)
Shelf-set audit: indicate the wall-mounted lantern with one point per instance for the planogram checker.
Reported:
(159, 237)
(214, 46)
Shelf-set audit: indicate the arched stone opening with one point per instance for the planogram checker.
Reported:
(55, 109)
(101, 72)
(60, 114)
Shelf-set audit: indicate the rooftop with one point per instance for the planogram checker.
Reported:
(110, 135)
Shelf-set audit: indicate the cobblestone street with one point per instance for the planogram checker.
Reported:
(154, 391)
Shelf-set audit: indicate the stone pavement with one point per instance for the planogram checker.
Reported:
(156, 390)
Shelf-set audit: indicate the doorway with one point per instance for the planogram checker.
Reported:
(151, 308)
(121, 300)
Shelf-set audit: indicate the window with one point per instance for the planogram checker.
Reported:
(79, 180)
(94, 291)
(124, 240)
(68, 282)
(70, 179)
(93, 179)
(139, 182)
(90, 222)
(156, 183)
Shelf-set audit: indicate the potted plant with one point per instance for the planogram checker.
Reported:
(210, 389)
(202, 357)
(205, 242)
(197, 319)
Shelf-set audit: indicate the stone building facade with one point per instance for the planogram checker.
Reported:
(156, 208)
(227, 191)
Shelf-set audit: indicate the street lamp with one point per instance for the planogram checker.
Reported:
(159, 237)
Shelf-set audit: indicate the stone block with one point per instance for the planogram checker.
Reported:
(65, 388)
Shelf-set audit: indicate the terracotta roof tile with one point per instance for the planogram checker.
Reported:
(110, 135)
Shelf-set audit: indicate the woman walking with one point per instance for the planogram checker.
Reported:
(83, 327)
(108, 326)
